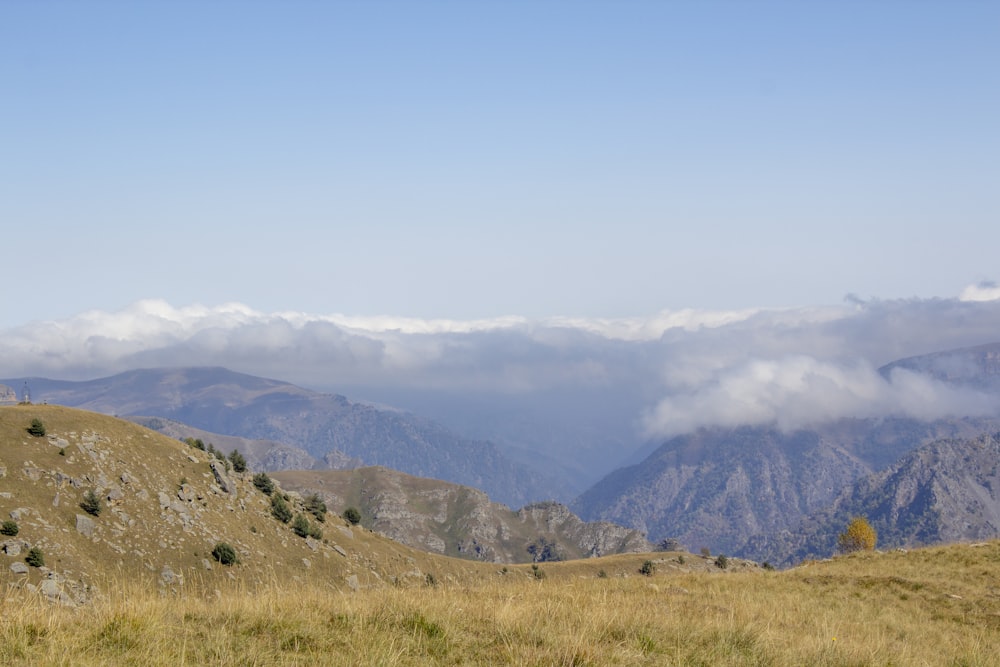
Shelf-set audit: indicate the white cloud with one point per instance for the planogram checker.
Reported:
(685, 368)
(984, 291)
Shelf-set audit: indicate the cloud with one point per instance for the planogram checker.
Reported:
(986, 290)
(794, 392)
(683, 369)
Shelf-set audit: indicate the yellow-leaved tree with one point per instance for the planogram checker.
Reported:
(859, 536)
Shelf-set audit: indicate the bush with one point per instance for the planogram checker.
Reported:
(37, 428)
(225, 554)
(300, 525)
(35, 557)
(352, 516)
(859, 536)
(316, 507)
(91, 503)
(239, 463)
(9, 528)
(280, 509)
(721, 561)
(537, 572)
(263, 483)
(648, 568)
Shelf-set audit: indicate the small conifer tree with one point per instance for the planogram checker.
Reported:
(280, 509)
(37, 428)
(239, 463)
(91, 503)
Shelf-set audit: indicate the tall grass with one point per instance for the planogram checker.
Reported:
(934, 607)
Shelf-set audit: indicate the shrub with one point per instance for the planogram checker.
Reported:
(859, 536)
(263, 483)
(9, 528)
(35, 557)
(300, 525)
(316, 506)
(430, 579)
(91, 503)
(721, 561)
(225, 554)
(37, 428)
(706, 552)
(537, 572)
(352, 516)
(648, 568)
(280, 509)
(602, 574)
(239, 463)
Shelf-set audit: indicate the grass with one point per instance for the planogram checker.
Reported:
(937, 606)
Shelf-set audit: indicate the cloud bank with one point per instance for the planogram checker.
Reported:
(688, 369)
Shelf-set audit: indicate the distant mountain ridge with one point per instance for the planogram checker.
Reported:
(945, 491)
(226, 402)
(455, 520)
(721, 487)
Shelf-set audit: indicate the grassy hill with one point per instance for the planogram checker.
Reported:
(163, 511)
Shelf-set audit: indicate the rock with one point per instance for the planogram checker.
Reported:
(52, 590)
(186, 493)
(164, 500)
(340, 550)
(306, 563)
(114, 496)
(85, 525)
(20, 513)
(221, 478)
(13, 547)
(312, 543)
(352, 582)
(19, 568)
(55, 501)
(168, 577)
(207, 564)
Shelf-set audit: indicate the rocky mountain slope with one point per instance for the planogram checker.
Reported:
(461, 521)
(221, 401)
(717, 488)
(162, 507)
(945, 491)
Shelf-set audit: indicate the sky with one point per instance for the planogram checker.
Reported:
(464, 161)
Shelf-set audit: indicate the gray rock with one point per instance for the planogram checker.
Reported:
(340, 550)
(168, 577)
(20, 513)
(85, 525)
(19, 568)
(226, 484)
(352, 582)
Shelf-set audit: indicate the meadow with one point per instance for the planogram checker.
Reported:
(935, 606)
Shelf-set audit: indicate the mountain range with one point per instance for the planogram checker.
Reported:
(330, 428)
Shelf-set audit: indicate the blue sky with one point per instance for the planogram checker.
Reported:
(477, 159)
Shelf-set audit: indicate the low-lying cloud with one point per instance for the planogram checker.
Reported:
(687, 369)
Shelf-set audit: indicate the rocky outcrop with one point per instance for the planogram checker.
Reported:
(461, 521)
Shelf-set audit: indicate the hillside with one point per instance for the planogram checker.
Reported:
(164, 507)
(945, 491)
(937, 606)
(461, 521)
(221, 401)
(718, 487)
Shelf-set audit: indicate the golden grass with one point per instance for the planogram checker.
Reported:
(936, 606)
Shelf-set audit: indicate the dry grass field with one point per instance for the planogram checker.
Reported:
(936, 606)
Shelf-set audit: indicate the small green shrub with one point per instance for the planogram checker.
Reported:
(537, 572)
(602, 574)
(9, 528)
(648, 568)
(721, 561)
(280, 509)
(62, 451)
(352, 516)
(225, 554)
(430, 579)
(681, 559)
(35, 557)
(300, 525)
(239, 463)
(91, 503)
(37, 428)
(767, 566)
(316, 506)
(263, 483)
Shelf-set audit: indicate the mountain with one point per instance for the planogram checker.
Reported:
(719, 487)
(977, 367)
(945, 491)
(162, 508)
(225, 402)
(460, 521)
